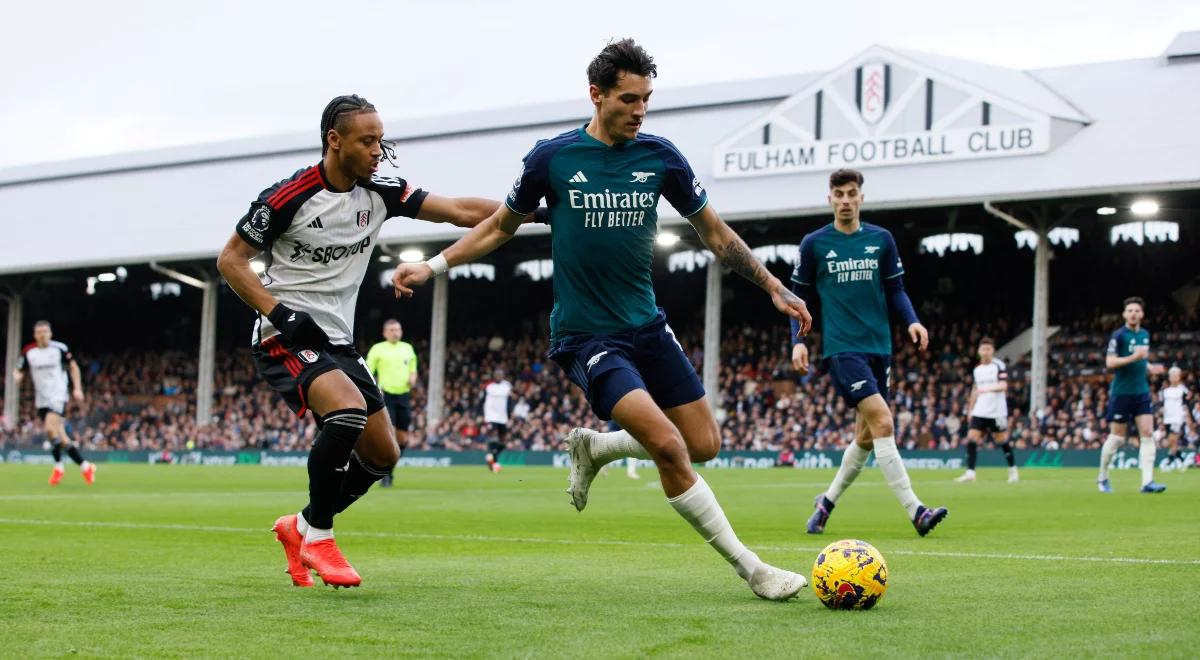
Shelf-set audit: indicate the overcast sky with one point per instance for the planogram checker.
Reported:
(90, 78)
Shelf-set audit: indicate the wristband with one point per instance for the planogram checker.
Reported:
(438, 264)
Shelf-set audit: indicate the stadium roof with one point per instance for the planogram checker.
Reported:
(1185, 44)
(763, 148)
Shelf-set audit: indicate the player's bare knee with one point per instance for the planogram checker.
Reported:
(377, 445)
(667, 449)
(881, 426)
(391, 456)
(350, 399)
(706, 446)
(703, 454)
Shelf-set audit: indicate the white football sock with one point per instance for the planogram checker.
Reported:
(853, 460)
(1146, 453)
(301, 524)
(608, 447)
(58, 466)
(1107, 451)
(631, 465)
(84, 465)
(313, 534)
(699, 507)
(892, 467)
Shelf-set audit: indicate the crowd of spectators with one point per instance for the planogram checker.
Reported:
(146, 401)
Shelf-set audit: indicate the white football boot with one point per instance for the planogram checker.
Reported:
(772, 583)
(579, 480)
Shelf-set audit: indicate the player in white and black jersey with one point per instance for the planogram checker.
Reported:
(317, 229)
(1175, 398)
(495, 413)
(49, 363)
(989, 410)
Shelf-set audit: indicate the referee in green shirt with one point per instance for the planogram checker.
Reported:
(393, 363)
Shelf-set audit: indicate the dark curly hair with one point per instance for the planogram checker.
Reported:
(617, 56)
(844, 176)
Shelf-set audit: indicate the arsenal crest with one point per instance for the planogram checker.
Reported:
(873, 89)
(364, 219)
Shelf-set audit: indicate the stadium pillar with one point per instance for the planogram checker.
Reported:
(12, 350)
(208, 336)
(208, 354)
(435, 394)
(1041, 320)
(1041, 302)
(712, 334)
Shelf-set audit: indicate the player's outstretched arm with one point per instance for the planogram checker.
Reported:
(234, 265)
(458, 211)
(483, 239)
(734, 254)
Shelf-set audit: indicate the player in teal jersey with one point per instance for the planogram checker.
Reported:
(602, 183)
(1129, 395)
(855, 271)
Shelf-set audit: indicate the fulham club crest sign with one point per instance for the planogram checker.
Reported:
(873, 91)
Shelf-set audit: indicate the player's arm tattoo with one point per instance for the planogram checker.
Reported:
(789, 297)
(736, 256)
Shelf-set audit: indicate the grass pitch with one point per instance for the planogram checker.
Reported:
(177, 561)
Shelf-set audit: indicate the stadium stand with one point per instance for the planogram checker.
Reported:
(144, 400)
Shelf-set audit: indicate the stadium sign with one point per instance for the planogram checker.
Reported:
(888, 108)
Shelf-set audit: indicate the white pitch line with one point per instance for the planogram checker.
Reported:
(610, 542)
(176, 494)
(399, 490)
(94, 495)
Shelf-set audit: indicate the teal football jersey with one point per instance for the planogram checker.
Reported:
(847, 271)
(603, 216)
(1131, 378)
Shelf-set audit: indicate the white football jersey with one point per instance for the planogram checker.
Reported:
(992, 405)
(48, 369)
(495, 402)
(319, 242)
(1173, 398)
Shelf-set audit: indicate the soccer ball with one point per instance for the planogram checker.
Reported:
(849, 575)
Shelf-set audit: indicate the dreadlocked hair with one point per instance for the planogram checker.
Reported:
(335, 113)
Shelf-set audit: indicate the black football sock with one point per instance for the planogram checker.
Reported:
(972, 451)
(1008, 453)
(57, 452)
(73, 452)
(327, 461)
(360, 475)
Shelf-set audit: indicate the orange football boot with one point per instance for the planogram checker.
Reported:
(89, 474)
(56, 476)
(287, 534)
(325, 558)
